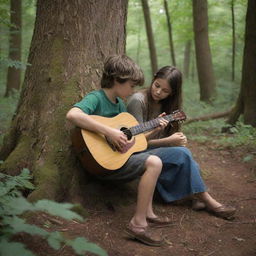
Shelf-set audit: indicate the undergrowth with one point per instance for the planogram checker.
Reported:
(211, 131)
(13, 206)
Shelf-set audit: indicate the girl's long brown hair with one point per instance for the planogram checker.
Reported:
(174, 101)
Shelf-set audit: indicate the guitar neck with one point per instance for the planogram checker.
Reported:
(149, 125)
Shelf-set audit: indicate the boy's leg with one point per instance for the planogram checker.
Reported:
(138, 226)
(146, 189)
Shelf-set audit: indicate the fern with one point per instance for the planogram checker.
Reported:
(13, 204)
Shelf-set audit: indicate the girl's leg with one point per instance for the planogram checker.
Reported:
(218, 209)
(208, 200)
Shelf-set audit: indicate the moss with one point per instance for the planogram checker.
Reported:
(57, 61)
(9, 141)
(79, 209)
(47, 180)
(19, 156)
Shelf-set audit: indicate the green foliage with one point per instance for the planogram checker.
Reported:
(220, 35)
(211, 131)
(13, 204)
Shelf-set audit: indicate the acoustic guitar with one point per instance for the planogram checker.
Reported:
(96, 152)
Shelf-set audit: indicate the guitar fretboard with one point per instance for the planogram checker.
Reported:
(149, 125)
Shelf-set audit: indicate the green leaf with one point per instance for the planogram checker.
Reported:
(18, 225)
(13, 249)
(55, 239)
(58, 209)
(18, 205)
(248, 158)
(81, 245)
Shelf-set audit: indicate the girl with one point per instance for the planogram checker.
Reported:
(180, 176)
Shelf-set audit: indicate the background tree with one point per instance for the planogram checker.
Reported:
(169, 25)
(14, 74)
(186, 63)
(70, 42)
(203, 52)
(246, 103)
(233, 41)
(150, 36)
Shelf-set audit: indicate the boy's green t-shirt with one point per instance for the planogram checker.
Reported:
(97, 103)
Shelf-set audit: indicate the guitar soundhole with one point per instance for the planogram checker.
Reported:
(127, 132)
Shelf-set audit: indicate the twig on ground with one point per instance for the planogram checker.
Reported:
(53, 220)
(211, 253)
(181, 219)
(245, 199)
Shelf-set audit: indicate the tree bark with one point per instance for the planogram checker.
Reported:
(169, 25)
(186, 64)
(246, 103)
(14, 74)
(150, 36)
(70, 42)
(203, 51)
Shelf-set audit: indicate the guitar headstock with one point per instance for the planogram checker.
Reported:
(178, 115)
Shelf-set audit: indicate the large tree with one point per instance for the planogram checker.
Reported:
(70, 41)
(246, 102)
(203, 52)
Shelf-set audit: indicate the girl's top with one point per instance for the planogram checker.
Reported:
(137, 106)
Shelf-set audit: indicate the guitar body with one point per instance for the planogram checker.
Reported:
(97, 154)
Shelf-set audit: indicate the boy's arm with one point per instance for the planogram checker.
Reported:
(84, 121)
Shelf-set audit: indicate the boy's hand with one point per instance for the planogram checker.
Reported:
(117, 139)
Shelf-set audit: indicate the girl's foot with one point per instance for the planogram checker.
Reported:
(223, 211)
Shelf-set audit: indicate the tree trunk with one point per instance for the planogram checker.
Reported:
(246, 103)
(169, 25)
(150, 36)
(187, 59)
(71, 39)
(14, 74)
(203, 51)
(233, 41)
(139, 41)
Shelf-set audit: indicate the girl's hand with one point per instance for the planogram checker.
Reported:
(177, 139)
(117, 139)
(162, 122)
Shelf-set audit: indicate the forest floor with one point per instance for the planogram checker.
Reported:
(229, 179)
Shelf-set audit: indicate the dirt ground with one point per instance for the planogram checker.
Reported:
(229, 179)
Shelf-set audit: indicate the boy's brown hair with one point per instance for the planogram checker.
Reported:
(120, 68)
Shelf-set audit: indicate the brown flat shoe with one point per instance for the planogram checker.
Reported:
(160, 221)
(223, 211)
(144, 235)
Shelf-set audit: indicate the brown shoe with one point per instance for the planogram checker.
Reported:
(223, 211)
(144, 235)
(160, 221)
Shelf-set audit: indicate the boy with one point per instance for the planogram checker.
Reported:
(120, 76)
